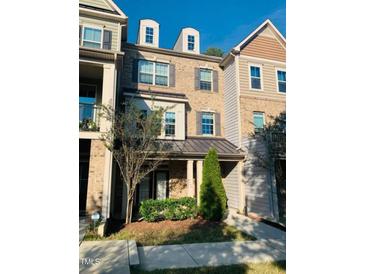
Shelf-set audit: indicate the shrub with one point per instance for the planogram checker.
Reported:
(168, 209)
(213, 199)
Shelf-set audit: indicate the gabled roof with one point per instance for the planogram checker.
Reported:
(115, 10)
(257, 30)
(235, 50)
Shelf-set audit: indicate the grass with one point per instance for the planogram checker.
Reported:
(175, 232)
(254, 268)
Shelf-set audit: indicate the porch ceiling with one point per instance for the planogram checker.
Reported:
(199, 147)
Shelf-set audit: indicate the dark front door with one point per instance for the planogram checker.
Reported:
(83, 179)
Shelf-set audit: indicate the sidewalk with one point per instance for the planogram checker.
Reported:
(271, 235)
(207, 254)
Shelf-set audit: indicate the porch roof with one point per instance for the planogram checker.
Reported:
(199, 146)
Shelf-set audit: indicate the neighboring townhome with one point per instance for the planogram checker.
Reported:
(191, 85)
(254, 95)
(102, 28)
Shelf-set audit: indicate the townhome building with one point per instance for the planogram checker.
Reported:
(191, 85)
(102, 28)
(254, 96)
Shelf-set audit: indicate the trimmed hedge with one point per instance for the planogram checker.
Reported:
(168, 209)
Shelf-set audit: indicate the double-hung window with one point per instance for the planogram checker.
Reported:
(281, 74)
(258, 121)
(170, 124)
(92, 37)
(206, 79)
(146, 72)
(153, 73)
(207, 123)
(255, 77)
(149, 35)
(191, 42)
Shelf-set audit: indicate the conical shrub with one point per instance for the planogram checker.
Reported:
(213, 199)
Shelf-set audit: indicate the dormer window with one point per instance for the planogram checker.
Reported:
(149, 35)
(191, 42)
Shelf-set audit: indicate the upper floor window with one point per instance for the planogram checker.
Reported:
(207, 123)
(149, 35)
(205, 79)
(170, 124)
(281, 74)
(92, 37)
(255, 77)
(191, 42)
(153, 73)
(258, 121)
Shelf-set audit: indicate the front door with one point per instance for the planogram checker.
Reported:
(83, 179)
(161, 185)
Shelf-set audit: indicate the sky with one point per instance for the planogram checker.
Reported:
(221, 24)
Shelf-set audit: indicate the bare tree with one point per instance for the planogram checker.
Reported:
(133, 140)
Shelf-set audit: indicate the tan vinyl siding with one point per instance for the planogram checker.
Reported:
(231, 106)
(106, 24)
(96, 3)
(268, 74)
(259, 193)
(231, 182)
(266, 47)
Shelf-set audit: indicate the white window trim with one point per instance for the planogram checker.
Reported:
(164, 132)
(154, 73)
(187, 46)
(263, 116)
(153, 36)
(213, 114)
(92, 27)
(261, 76)
(211, 79)
(277, 79)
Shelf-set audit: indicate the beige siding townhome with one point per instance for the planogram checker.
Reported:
(254, 94)
(191, 84)
(102, 28)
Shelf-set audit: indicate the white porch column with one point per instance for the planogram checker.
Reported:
(199, 177)
(108, 91)
(190, 178)
(108, 98)
(241, 187)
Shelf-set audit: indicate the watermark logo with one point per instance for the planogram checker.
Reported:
(90, 261)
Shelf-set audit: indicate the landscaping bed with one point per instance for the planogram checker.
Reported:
(175, 232)
(254, 268)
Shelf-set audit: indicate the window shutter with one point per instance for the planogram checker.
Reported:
(215, 81)
(107, 39)
(197, 78)
(198, 123)
(172, 75)
(135, 71)
(80, 34)
(217, 124)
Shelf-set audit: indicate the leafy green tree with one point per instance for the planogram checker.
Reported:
(213, 199)
(214, 52)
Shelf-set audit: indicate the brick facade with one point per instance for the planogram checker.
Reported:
(270, 107)
(96, 176)
(178, 182)
(184, 74)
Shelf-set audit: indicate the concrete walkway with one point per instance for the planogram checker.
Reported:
(83, 225)
(97, 257)
(207, 254)
(271, 235)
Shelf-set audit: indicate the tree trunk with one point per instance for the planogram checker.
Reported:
(128, 218)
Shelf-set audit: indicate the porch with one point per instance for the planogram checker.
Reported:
(182, 175)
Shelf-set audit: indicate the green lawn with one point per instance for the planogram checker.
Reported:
(259, 268)
(175, 232)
